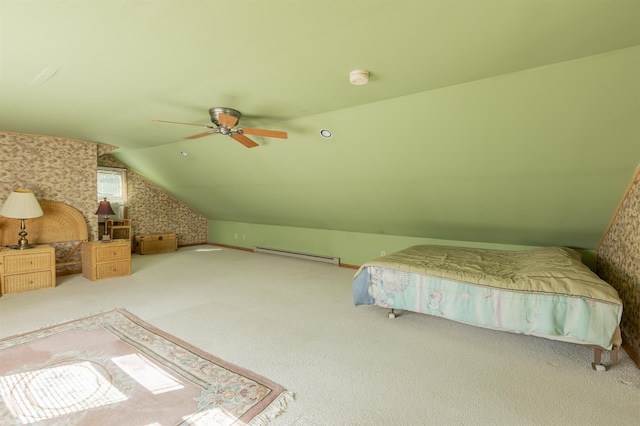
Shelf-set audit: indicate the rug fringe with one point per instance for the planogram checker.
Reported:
(274, 409)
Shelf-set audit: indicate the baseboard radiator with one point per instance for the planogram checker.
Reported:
(299, 255)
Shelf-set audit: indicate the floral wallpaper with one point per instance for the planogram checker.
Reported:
(153, 211)
(618, 261)
(65, 170)
(55, 169)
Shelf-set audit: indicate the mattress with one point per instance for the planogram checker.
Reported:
(547, 292)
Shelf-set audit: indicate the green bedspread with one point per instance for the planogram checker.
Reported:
(552, 270)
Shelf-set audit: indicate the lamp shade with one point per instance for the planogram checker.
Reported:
(21, 204)
(104, 209)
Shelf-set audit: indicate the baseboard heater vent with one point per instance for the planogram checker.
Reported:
(306, 256)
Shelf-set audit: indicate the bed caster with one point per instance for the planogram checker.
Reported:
(392, 314)
(598, 367)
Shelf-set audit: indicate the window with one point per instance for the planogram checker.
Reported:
(112, 184)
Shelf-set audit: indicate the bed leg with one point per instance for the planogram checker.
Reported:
(613, 354)
(597, 360)
(392, 313)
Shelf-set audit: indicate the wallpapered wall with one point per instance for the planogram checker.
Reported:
(152, 210)
(618, 261)
(64, 170)
(55, 169)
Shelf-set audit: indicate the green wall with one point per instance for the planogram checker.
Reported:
(352, 248)
(534, 158)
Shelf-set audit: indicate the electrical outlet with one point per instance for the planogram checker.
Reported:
(383, 253)
(235, 236)
(244, 237)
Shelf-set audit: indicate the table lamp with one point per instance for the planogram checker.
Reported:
(21, 204)
(104, 209)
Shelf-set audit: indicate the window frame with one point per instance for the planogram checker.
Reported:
(117, 202)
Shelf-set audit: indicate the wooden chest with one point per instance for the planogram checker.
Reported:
(30, 269)
(155, 243)
(106, 260)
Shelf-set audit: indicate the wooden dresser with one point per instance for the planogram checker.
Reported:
(30, 269)
(106, 260)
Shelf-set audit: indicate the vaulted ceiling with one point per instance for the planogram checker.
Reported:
(497, 121)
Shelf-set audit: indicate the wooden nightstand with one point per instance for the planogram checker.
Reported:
(106, 260)
(30, 269)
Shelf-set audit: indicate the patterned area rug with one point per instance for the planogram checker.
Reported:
(114, 369)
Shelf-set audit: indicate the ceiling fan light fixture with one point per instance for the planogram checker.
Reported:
(216, 112)
(358, 77)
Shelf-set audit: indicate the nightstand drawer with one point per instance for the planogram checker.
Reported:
(28, 269)
(111, 253)
(113, 269)
(106, 260)
(28, 262)
(25, 282)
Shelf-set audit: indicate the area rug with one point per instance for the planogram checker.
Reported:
(112, 368)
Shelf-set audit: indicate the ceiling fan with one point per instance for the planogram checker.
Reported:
(225, 120)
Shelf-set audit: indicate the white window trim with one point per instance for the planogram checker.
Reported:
(117, 204)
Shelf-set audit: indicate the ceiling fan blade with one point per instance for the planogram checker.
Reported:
(199, 135)
(227, 120)
(188, 124)
(244, 140)
(262, 132)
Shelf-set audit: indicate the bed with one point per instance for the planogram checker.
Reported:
(546, 292)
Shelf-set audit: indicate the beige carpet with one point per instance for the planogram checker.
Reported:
(294, 322)
(114, 369)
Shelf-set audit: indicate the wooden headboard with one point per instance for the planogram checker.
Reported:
(60, 223)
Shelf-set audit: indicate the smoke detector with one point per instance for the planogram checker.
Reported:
(358, 77)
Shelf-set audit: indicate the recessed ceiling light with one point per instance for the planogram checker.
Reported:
(184, 154)
(326, 133)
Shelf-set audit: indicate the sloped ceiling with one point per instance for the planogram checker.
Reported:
(495, 121)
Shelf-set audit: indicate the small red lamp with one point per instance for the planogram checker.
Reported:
(104, 209)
